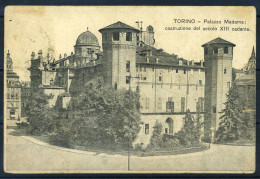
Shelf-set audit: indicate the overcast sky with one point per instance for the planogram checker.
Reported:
(55, 29)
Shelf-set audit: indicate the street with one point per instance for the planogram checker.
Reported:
(24, 154)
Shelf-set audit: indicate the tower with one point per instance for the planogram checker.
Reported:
(218, 56)
(119, 44)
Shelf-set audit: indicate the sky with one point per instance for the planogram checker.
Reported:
(54, 29)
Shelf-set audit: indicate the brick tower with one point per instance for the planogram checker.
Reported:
(119, 44)
(218, 56)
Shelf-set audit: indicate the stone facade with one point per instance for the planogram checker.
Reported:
(168, 85)
(13, 102)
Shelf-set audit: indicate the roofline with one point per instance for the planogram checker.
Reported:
(231, 44)
(158, 64)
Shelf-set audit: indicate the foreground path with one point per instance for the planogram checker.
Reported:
(27, 155)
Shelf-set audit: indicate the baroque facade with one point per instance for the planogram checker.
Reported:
(168, 85)
(13, 102)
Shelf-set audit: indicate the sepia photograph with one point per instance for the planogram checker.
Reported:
(129, 89)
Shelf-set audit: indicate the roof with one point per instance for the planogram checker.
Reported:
(118, 25)
(165, 59)
(219, 41)
(247, 79)
(87, 38)
(12, 74)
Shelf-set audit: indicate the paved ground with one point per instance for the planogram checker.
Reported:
(27, 155)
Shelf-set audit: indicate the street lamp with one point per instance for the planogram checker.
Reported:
(130, 124)
(212, 134)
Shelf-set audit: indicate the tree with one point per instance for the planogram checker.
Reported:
(231, 124)
(191, 131)
(41, 117)
(105, 117)
(156, 140)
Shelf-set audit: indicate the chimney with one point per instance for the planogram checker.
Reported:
(188, 63)
(40, 54)
(180, 62)
(32, 56)
(201, 63)
(192, 62)
(157, 60)
(60, 56)
(65, 55)
(40, 57)
(71, 53)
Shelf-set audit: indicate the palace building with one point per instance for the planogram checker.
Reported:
(13, 102)
(168, 85)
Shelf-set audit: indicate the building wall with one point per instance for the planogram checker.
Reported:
(160, 85)
(116, 54)
(13, 102)
(218, 82)
(149, 120)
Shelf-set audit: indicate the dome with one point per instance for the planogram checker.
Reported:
(149, 28)
(87, 38)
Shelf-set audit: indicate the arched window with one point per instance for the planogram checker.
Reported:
(169, 126)
(215, 50)
(116, 36)
(129, 36)
(225, 70)
(225, 50)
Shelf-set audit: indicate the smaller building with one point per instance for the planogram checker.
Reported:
(246, 84)
(25, 97)
(13, 102)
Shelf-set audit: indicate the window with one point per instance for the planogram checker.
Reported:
(128, 36)
(147, 103)
(182, 104)
(225, 50)
(116, 36)
(206, 51)
(200, 82)
(184, 71)
(115, 85)
(214, 109)
(144, 69)
(8, 95)
(177, 70)
(136, 67)
(228, 85)
(215, 50)
(12, 94)
(225, 71)
(160, 78)
(89, 51)
(140, 68)
(104, 36)
(200, 104)
(146, 129)
(166, 130)
(16, 94)
(127, 81)
(143, 78)
(128, 66)
(169, 106)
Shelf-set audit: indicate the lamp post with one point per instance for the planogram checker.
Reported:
(130, 124)
(212, 134)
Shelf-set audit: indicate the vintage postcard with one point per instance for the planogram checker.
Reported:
(129, 89)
